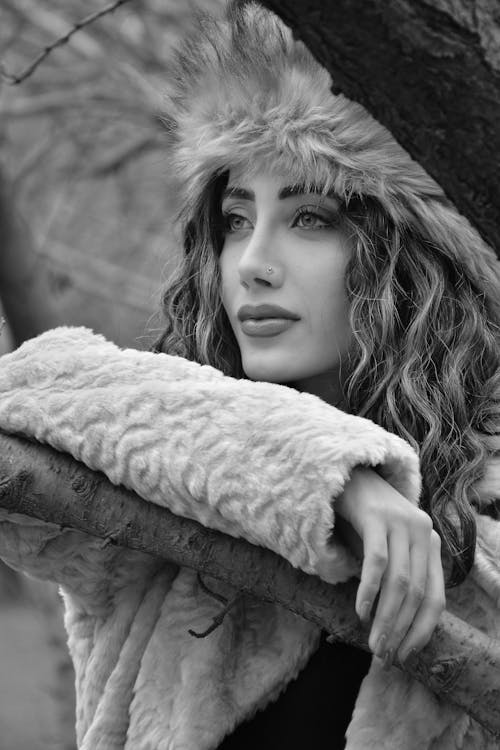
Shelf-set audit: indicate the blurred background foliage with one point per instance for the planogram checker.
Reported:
(85, 203)
(84, 179)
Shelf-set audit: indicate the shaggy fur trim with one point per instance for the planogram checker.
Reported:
(245, 93)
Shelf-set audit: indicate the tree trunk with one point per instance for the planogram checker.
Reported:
(459, 662)
(429, 70)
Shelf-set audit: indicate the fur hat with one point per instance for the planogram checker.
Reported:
(245, 92)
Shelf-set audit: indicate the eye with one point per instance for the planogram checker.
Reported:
(235, 222)
(308, 218)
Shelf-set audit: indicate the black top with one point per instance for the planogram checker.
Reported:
(315, 706)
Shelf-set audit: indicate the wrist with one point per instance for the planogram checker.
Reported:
(360, 477)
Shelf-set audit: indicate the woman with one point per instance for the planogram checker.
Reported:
(321, 258)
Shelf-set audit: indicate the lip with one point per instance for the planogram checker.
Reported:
(265, 327)
(258, 312)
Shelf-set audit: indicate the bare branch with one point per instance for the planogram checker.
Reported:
(13, 80)
(460, 663)
(44, 22)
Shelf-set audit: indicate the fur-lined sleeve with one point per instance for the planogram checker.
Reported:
(254, 460)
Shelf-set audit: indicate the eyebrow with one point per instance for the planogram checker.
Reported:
(285, 192)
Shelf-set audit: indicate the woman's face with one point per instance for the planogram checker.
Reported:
(270, 224)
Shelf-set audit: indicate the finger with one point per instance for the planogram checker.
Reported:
(419, 559)
(372, 571)
(432, 605)
(393, 593)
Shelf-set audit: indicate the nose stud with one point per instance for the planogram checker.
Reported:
(269, 269)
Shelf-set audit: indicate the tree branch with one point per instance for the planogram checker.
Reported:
(430, 72)
(460, 663)
(13, 80)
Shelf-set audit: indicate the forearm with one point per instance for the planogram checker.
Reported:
(250, 459)
(361, 479)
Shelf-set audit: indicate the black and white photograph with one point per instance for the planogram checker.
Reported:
(249, 375)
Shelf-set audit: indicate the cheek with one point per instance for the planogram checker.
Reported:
(227, 280)
(329, 304)
(324, 284)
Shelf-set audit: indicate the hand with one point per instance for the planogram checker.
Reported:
(401, 563)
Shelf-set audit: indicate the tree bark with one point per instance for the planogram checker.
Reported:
(429, 70)
(460, 663)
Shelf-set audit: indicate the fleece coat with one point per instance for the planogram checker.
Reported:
(254, 460)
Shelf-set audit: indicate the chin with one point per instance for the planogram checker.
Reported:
(263, 374)
(269, 372)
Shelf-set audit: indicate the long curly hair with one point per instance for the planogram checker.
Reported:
(424, 363)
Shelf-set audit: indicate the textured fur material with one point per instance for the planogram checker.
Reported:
(245, 93)
(255, 460)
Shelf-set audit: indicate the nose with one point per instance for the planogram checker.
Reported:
(259, 263)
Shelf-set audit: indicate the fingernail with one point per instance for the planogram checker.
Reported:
(365, 611)
(388, 659)
(379, 651)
